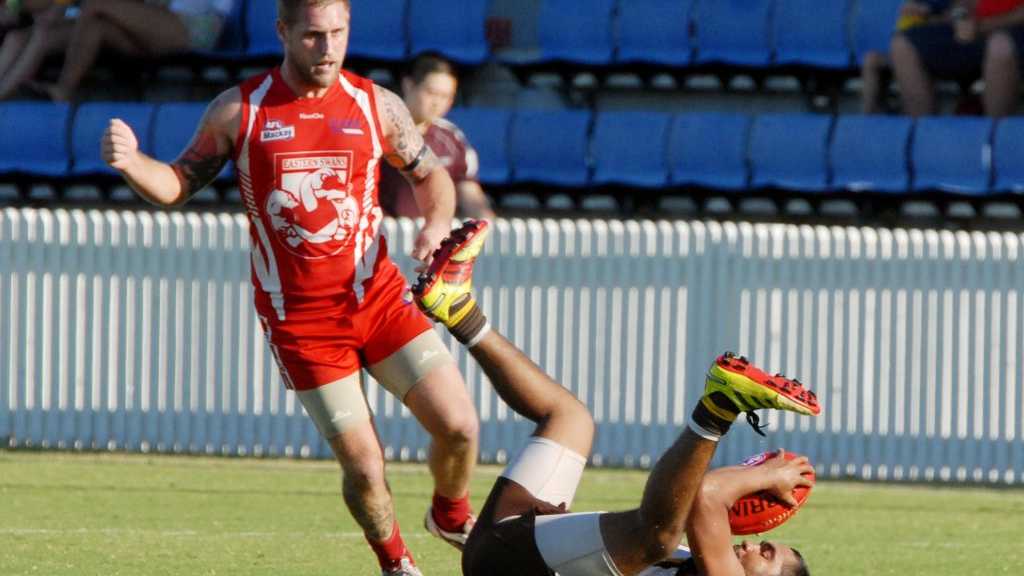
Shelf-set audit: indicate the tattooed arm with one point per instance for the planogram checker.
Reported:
(432, 186)
(173, 184)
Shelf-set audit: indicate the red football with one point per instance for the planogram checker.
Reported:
(760, 512)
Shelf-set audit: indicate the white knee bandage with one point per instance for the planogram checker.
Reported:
(550, 471)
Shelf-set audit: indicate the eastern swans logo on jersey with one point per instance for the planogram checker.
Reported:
(312, 209)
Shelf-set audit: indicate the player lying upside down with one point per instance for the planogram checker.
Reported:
(521, 532)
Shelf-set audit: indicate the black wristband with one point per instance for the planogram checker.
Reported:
(416, 161)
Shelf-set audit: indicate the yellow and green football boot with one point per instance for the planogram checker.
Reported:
(734, 385)
(445, 290)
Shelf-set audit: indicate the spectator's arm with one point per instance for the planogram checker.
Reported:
(433, 188)
(473, 202)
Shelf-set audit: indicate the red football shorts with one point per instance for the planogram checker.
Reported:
(312, 352)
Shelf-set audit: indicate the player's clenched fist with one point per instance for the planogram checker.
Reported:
(120, 146)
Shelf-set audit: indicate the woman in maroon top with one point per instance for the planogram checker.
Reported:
(429, 92)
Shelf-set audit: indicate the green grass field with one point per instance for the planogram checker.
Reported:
(63, 514)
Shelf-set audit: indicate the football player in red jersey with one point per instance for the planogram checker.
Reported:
(307, 139)
(525, 529)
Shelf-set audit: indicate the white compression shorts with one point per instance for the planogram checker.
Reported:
(570, 544)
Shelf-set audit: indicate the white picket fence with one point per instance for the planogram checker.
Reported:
(135, 331)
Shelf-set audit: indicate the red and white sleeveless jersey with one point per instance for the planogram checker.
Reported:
(308, 172)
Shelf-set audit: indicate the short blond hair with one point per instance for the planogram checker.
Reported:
(288, 10)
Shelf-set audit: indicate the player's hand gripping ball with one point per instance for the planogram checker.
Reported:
(768, 509)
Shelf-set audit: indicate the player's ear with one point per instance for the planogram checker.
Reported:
(407, 85)
(282, 31)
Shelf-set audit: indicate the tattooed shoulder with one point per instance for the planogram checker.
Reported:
(405, 148)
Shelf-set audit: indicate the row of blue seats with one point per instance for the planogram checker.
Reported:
(576, 148)
(58, 141)
(829, 34)
(757, 33)
(799, 152)
(387, 30)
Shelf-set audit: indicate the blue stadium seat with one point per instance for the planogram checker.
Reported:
(378, 29)
(710, 150)
(550, 147)
(812, 33)
(261, 29)
(655, 32)
(952, 154)
(869, 153)
(631, 148)
(173, 127)
(588, 40)
(487, 131)
(734, 32)
(91, 121)
(454, 28)
(790, 151)
(873, 23)
(34, 138)
(1008, 143)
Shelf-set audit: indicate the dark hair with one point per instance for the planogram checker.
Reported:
(287, 10)
(429, 63)
(800, 569)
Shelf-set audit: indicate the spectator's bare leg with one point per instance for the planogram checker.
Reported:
(915, 85)
(127, 26)
(1002, 75)
(14, 45)
(23, 52)
(871, 82)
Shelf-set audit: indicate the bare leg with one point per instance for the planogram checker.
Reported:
(441, 403)
(871, 82)
(638, 538)
(1002, 75)
(364, 487)
(560, 417)
(132, 28)
(23, 52)
(14, 45)
(915, 85)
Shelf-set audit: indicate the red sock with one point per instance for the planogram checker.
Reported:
(391, 551)
(450, 515)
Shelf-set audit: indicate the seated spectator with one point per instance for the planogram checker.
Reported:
(429, 92)
(9, 20)
(138, 29)
(980, 38)
(41, 28)
(875, 71)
